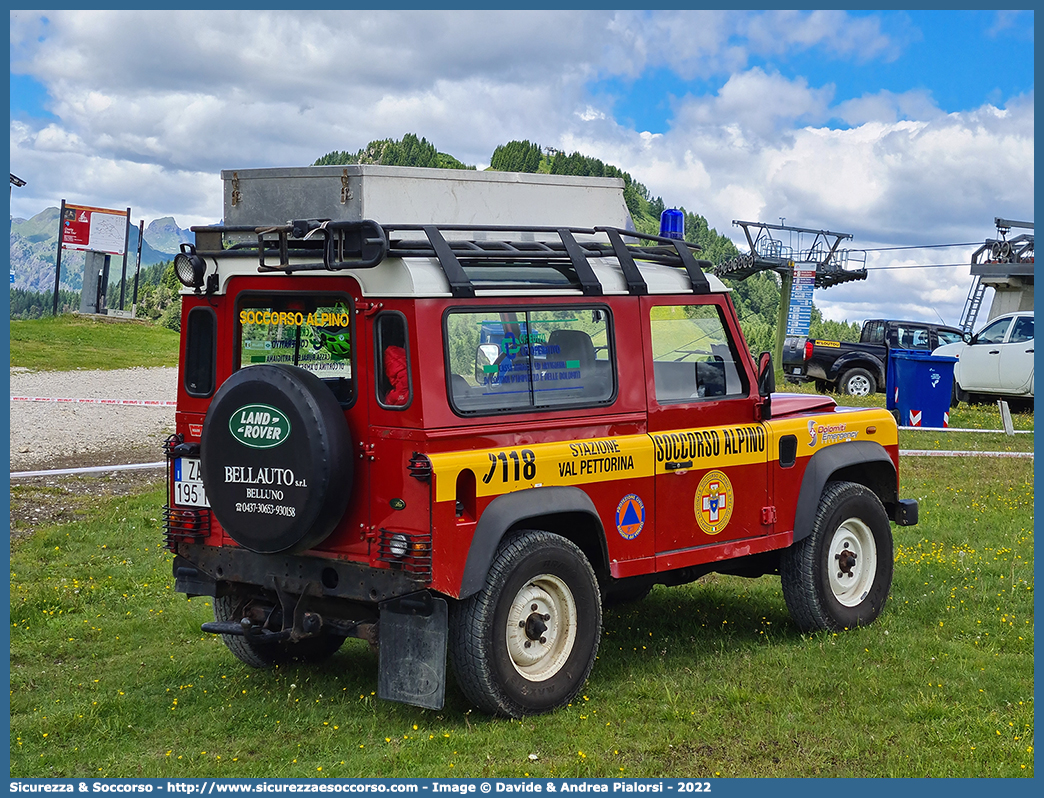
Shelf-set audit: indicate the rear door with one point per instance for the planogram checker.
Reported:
(1016, 357)
(710, 454)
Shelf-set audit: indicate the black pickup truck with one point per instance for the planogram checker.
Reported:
(858, 369)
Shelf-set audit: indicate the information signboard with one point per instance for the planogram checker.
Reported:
(96, 229)
(799, 317)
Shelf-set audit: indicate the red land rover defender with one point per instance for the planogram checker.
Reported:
(463, 437)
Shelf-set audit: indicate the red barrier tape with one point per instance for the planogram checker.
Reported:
(61, 400)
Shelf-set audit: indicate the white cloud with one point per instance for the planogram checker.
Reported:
(760, 103)
(886, 106)
(835, 32)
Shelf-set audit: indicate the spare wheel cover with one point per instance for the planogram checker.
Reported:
(276, 458)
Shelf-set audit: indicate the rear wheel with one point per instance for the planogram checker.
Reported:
(265, 655)
(526, 642)
(857, 382)
(840, 575)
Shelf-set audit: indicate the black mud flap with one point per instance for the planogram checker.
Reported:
(906, 512)
(412, 662)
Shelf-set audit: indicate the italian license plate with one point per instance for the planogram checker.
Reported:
(188, 483)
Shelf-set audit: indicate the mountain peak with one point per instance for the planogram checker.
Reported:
(164, 235)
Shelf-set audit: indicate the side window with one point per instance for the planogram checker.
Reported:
(875, 332)
(1023, 330)
(200, 349)
(693, 356)
(913, 338)
(993, 333)
(310, 331)
(393, 361)
(514, 360)
(947, 337)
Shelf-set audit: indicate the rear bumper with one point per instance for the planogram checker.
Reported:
(206, 571)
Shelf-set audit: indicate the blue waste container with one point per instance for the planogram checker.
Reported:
(891, 385)
(925, 386)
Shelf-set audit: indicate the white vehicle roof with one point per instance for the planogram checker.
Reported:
(452, 260)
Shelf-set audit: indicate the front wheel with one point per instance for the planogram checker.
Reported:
(526, 642)
(840, 575)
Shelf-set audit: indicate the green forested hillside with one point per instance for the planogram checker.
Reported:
(409, 151)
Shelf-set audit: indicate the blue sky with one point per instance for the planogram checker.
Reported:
(28, 98)
(962, 58)
(900, 127)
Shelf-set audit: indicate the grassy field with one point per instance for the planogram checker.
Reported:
(111, 676)
(76, 342)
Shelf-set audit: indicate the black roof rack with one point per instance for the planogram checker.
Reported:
(324, 245)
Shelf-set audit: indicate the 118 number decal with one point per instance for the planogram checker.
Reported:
(511, 463)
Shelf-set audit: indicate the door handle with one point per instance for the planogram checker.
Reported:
(677, 466)
(1029, 351)
(994, 351)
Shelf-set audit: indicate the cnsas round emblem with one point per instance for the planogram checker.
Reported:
(713, 503)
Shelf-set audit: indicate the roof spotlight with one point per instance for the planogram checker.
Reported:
(189, 267)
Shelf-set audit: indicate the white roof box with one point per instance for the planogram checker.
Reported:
(409, 195)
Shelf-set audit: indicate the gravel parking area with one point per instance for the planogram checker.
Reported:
(45, 436)
(48, 435)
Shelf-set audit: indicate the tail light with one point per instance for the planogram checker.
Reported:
(808, 350)
(406, 551)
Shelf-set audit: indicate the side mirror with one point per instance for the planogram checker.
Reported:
(766, 387)
(766, 375)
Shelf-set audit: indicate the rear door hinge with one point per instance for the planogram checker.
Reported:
(367, 308)
(768, 515)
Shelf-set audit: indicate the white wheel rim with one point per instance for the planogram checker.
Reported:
(852, 562)
(539, 653)
(859, 386)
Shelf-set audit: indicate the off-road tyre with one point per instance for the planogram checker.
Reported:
(822, 386)
(284, 495)
(266, 655)
(857, 382)
(494, 668)
(851, 523)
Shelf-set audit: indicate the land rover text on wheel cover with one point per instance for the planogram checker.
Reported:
(454, 413)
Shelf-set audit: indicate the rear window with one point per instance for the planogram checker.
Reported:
(1023, 330)
(312, 331)
(514, 360)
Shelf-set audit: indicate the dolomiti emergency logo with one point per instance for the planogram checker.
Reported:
(713, 503)
(259, 426)
(829, 433)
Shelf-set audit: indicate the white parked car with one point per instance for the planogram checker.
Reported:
(996, 362)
